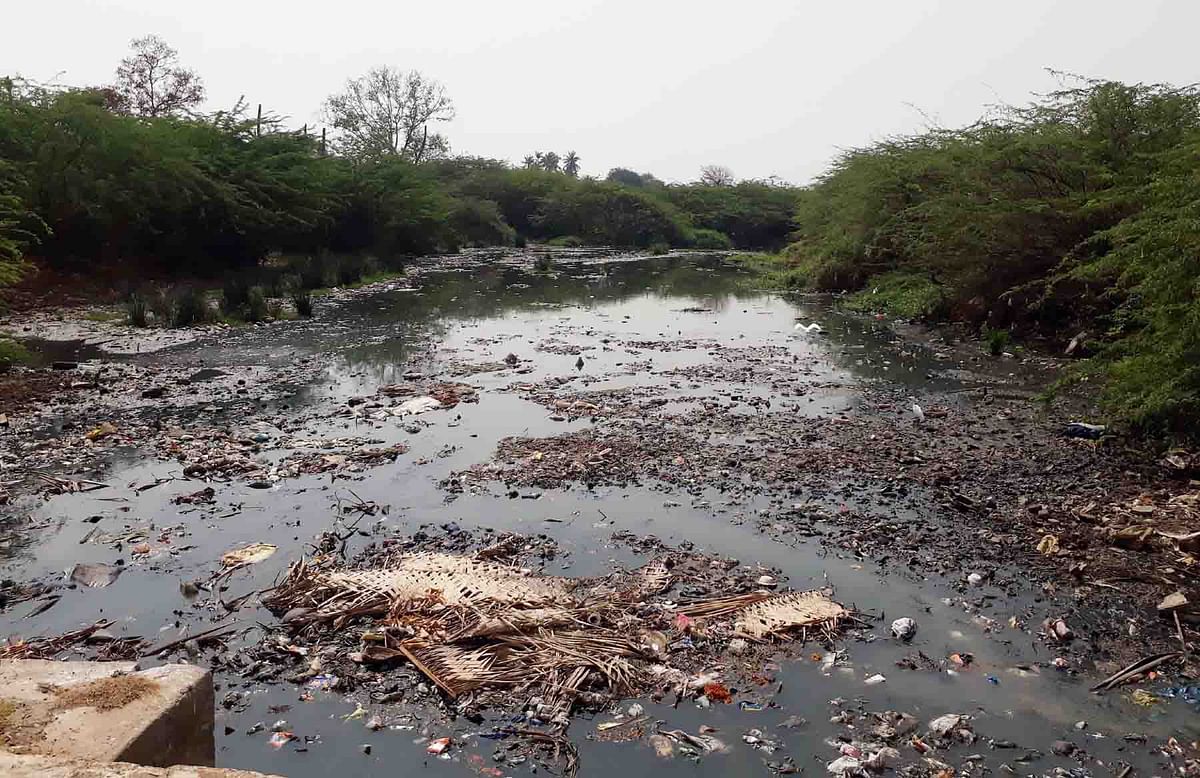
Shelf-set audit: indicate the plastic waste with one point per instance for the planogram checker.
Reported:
(844, 765)
(248, 555)
(944, 725)
(1079, 429)
(417, 405)
(904, 629)
(281, 739)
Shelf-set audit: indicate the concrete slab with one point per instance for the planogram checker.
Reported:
(30, 766)
(108, 712)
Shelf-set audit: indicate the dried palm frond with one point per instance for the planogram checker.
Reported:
(458, 669)
(455, 580)
(48, 648)
(511, 621)
(651, 578)
(782, 613)
(721, 606)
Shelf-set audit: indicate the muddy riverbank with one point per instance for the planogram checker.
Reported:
(599, 414)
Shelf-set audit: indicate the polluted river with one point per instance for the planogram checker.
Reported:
(636, 455)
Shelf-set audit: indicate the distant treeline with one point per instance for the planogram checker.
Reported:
(1077, 214)
(82, 183)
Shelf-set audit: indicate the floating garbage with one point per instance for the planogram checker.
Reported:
(95, 576)
(904, 628)
(248, 555)
(477, 626)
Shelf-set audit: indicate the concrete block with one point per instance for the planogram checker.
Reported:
(34, 766)
(168, 720)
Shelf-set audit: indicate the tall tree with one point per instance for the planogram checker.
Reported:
(387, 112)
(570, 164)
(151, 82)
(716, 175)
(550, 162)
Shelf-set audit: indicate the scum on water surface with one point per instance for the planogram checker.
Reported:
(575, 424)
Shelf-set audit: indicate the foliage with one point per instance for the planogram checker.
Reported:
(750, 215)
(256, 304)
(901, 293)
(303, 302)
(603, 213)
(12, 352)
(138, 310)
(387, 112)
(151, 82)
(570, 164)
(620, 175)
(1077, 211)
(20, 228)
(702, 238)
(189, 306)
(997, 341)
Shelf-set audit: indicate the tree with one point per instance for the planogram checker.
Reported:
(550, 162)
(387, 113)
(620, 175)
(716, 175)
(570, 164)
(151, 82)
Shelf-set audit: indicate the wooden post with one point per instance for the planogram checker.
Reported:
(258, 125)
(322, 141)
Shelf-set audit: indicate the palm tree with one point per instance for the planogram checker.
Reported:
(570, 164)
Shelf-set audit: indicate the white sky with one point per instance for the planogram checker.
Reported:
(765, 87)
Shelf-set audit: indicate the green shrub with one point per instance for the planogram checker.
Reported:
(658, 248)
(235, 294)
(316, 272)
(12, 353)
(189, 306)
(350, 270)
(137, 310)
(256, 305)
(901, 293)
(710, 239)
(566, 242)
(303, 302)
(997, 341)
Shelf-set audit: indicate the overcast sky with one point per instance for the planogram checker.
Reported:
(765, 87)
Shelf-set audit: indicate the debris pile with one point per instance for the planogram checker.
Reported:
(483, 630)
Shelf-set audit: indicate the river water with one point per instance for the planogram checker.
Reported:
(646, 328)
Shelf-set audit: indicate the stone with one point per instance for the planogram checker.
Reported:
(169, 722)
(41, 766)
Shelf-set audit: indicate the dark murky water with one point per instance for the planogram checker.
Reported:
(480, 314)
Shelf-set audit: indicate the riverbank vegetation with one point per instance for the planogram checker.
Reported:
(133, 176)
(1075, 215)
